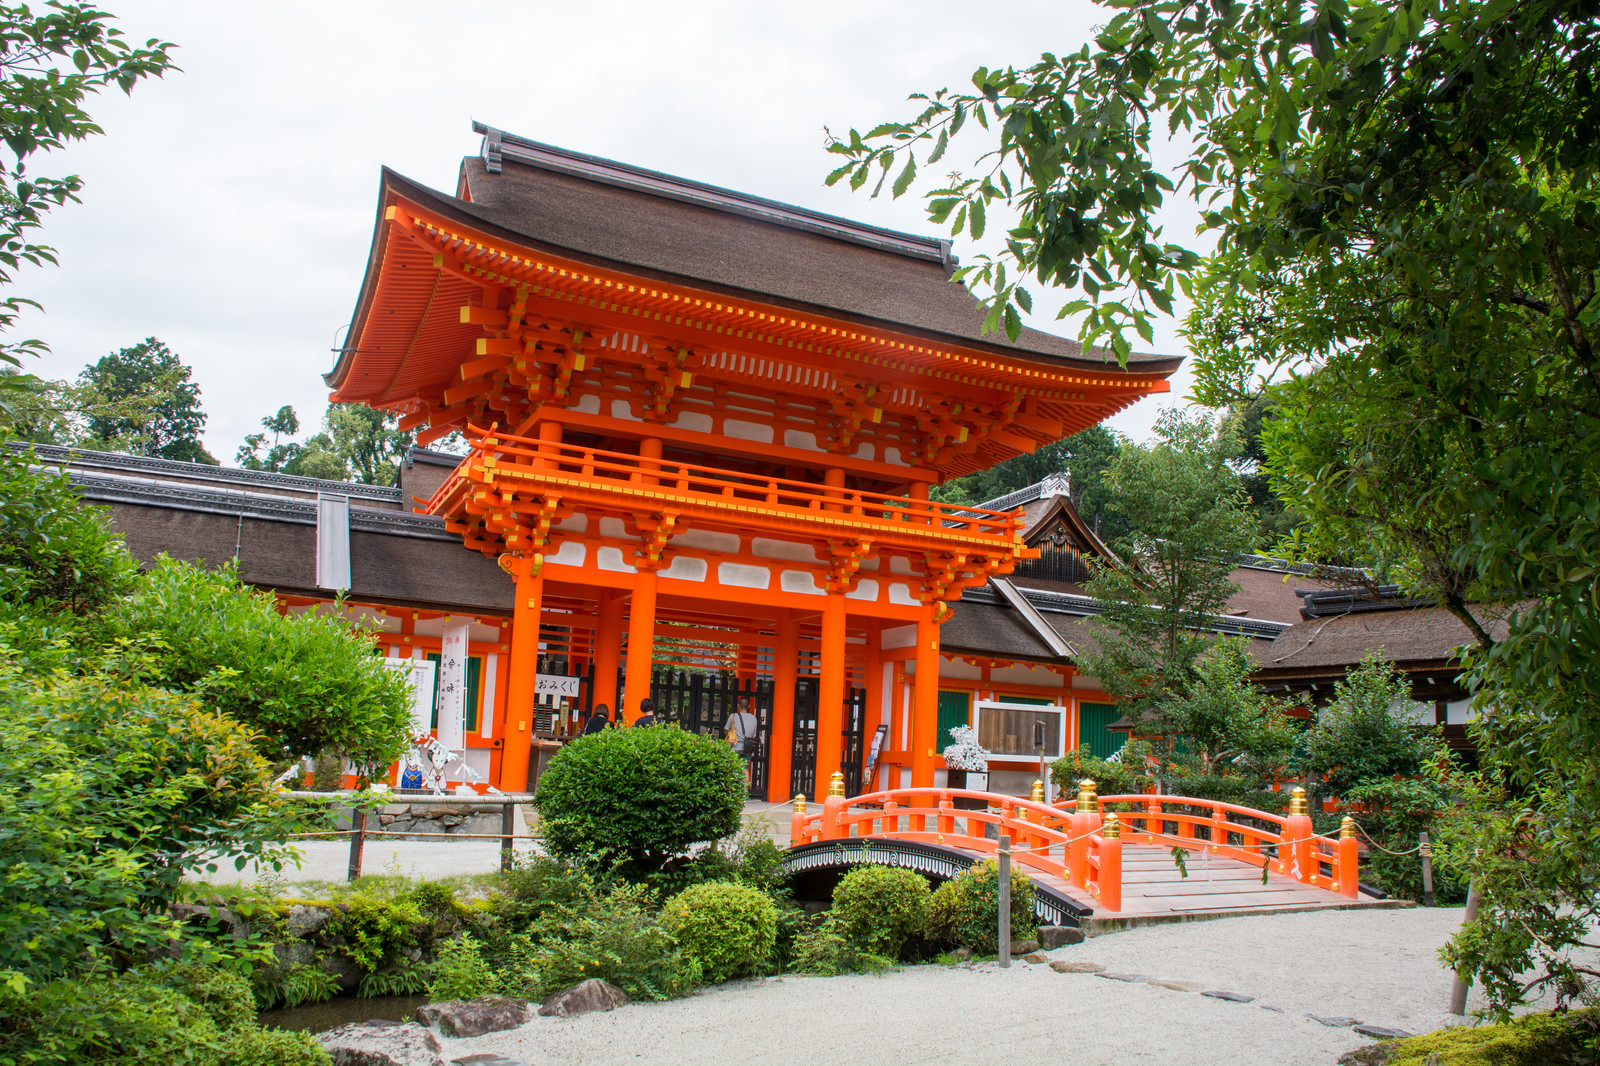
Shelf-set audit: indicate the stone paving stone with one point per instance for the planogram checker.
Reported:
(1069, 966)
(1335, 1023)
(1176, 986)
(1231, 997)
(1268, 1006)
(1379, 1032)
(1130, 978)
(1036, 956)
(486, 1059)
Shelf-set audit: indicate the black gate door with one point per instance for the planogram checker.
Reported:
(703, 702)
(803, 768)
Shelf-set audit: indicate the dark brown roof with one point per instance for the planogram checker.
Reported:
(1421, 635)
(611, 215)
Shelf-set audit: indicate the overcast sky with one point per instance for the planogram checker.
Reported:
(229, 208)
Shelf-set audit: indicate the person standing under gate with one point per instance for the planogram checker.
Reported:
(647, 713)
(743, 731)
(599, 719)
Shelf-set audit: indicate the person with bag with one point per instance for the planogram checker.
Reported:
(743, 731)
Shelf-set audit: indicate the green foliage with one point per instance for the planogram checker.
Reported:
(1555, 1039)
(880, 908)
(1392, 815)
(1367, 733)
(1232, 727)
(965, 910)
(639, 795)
(356, 443)
(827, 950)
(272, 1047)
(374, 930)
(1084, 457)
(292, 986)
(1173, 576)
(140, 401)
(540, 886)
(51, 61)
(728, 928)
(224, 995)
(55, 553)
(460, 972)
(306, 682)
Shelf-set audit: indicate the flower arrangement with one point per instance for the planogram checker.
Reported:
(966, 753)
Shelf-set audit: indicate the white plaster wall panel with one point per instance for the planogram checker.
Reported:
(901, 593)
(799, 438)
(611, 559)
(787, 550)
(742, 430)
(744, 576)
(898, 637)
(899, 564)
(1412, 711)
(707, 540)
(800, 581)
(622, 409)
(865, 450)
(1087, 683)
(866, 589)
(572, 553)
(696, 421)
(482, 634)
(491, 671)
(1022, 675)
(477, 760)
(891, 456)
(960, 670)
(1459, 712)
(615, 529)
(905, 777)
(686, 568)
(588, 403)
(870, 565)
(578, 523)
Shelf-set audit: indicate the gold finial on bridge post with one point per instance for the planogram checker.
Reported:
(1087, 802)
(1038, 792)
(836, 784)
(1347, 828)
(799, 803)
(1112, 830)
(1297, 801)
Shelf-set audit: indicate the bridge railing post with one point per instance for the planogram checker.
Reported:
(1348, 875)
(1110, 854)
(797, 820)
(832, 807)
(1302, 858)
(945, 824)
(1083, 821)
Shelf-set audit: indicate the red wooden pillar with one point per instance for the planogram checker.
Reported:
(607, 649)
(830, 694)
(785, 673)
(522, 671)
(925, 701)
(641, 642)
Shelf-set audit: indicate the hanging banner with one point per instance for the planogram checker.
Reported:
(420, 673)
(453, 686)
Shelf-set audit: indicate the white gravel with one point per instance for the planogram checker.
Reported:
(1379, 967)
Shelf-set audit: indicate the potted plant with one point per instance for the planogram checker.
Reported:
(966, 763)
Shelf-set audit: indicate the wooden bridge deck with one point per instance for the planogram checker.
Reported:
(1154, 891)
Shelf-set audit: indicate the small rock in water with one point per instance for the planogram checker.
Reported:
(1335, 1023)
(1231, 997)
(582, 998)
(1130, 978)
(381, 1044)
(1069, 966)
(474, 1017)
(1381, 1032)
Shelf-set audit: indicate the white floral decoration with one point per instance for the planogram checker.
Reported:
(966, 753)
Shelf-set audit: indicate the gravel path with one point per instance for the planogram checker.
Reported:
(1377, 967)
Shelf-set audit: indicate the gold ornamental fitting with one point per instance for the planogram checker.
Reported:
(1086, 796)
(1347, 828)
(1297, 801)
(1112, 830)
(836, 784)
(799, 803)
(1038, 792)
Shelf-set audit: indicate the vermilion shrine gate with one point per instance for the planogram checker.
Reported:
(696, 415)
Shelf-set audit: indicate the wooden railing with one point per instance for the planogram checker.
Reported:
(1073, 846)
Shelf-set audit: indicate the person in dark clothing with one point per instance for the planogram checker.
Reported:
(599, 719)
(647, 713)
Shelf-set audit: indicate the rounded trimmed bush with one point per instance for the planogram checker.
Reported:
(881, 907)
(729, 928)
(639, 795)
(966, 909)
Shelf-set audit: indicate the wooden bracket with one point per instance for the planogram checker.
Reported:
(653, 531)
(845, 558)
(851, 406)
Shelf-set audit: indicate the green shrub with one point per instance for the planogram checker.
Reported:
(826, 950)
(540, 886)
(728, 928)
(882, 907)
(375, 930)
(1120, 778)
(225, 996)
(292, 986)
(639, 796)
(273, 1047)
(460, 972)
(965, 910)
(1361, 735)
(108, 1021)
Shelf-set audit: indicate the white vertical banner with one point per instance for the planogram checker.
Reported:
(486, 714)
(453, 685)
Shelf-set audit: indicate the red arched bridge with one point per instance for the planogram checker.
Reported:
(1109, 857)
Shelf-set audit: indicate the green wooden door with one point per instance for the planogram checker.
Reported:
(954, 710)
(1093, 722)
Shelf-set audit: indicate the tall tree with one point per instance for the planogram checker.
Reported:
(166, 425)
(51, 62)
(1406, 212)
(1084, 457)
(1173, 572)
(356, 443)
